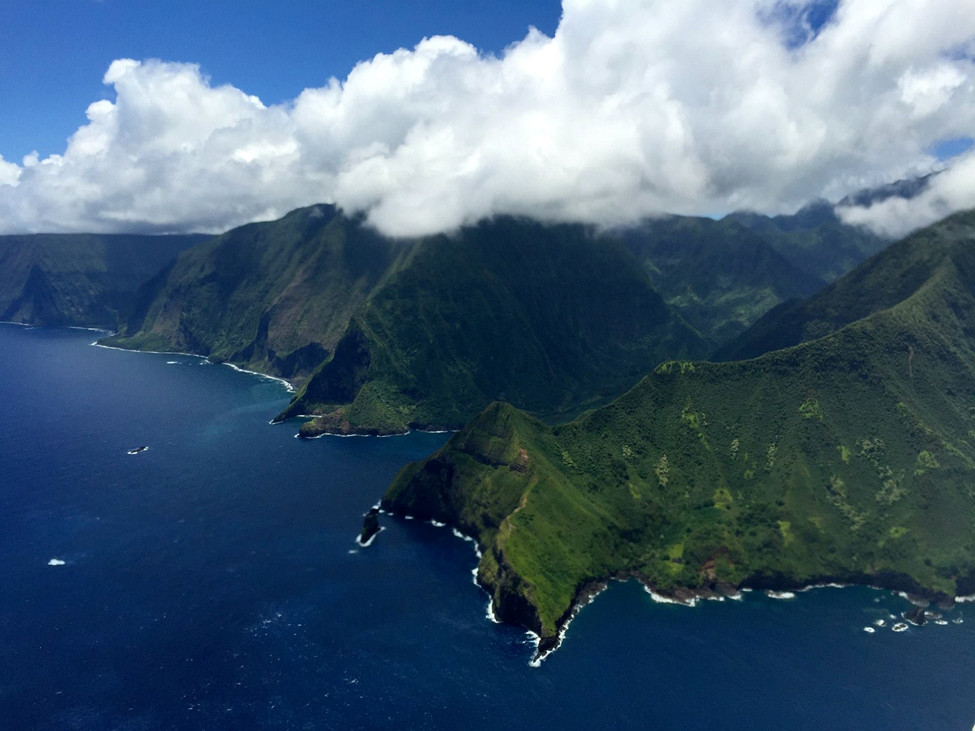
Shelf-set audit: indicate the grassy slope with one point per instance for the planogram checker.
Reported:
(78, 279)
(719, 275)
(274, 297)
(849, 457)
(551, 318)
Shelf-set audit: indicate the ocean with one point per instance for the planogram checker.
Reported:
(213, 582)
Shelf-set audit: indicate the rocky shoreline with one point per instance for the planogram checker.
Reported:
(511, 605)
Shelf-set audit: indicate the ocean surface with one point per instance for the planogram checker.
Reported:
(212, 582)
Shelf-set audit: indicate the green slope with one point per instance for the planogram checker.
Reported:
(80, 280)
(552, 318)
(719, 275)
(274, 297)
(814, 240)
(879, 283)
(849, 458)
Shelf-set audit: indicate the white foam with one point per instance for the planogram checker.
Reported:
(880, 623)
(869, 630)
(661, 599)
(942, 622)
(150, 352)
(408, 517)
(899, 627)
(358, 538)
(55, 562)
(824, 586)
(780, 594)
(537, 659)
(285, 383)
(963, 599)
(438, 524)
(172, 362)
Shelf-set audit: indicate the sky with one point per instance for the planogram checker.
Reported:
(53, 53)
(167, 115)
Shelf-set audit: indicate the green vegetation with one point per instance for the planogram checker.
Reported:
(814, 240)
(80, 280)
(549, 317)
(272, 297)
(850, 458)
(719, 275)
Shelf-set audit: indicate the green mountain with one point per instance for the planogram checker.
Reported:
(879, 283)
(719, 275)
(846, 458)
(79, 280)
(272, 297)
(553, 318)
(814, 240)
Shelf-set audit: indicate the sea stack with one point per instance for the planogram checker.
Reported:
(370, 527)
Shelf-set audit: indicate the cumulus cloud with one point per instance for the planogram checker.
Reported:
(950, 191)
(633, 108)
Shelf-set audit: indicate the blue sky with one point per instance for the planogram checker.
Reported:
(632, 108)
(53, 53)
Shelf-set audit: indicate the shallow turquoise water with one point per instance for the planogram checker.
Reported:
(212, 582)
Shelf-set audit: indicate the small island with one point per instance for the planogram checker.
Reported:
(370, 528)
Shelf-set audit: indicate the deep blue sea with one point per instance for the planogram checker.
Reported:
(212, 582)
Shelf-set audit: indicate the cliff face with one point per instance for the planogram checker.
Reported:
(848, 458)
(552, 318)
(81, 280)
(274, 297)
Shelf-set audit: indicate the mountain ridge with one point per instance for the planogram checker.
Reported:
(710, 477)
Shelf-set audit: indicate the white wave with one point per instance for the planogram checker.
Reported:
(899, 627)
(358, 538)
(661, 599)
(285, 383)
(150, 352)
(55, 562)
(537, 660)
(438, 524)
(780, 594)
(869, 630)
(172, 362)
(963, 599)
(831, 585)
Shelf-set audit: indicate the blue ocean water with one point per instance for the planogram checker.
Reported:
(212, 582)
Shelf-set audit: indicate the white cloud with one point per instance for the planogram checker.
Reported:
(634, 107)
(950, 191)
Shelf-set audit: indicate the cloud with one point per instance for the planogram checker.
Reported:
(950, 191)
(634, 107)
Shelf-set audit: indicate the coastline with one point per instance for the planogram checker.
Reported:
(512, 608)
(287, 384)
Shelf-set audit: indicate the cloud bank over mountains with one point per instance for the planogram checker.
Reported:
(633, 108)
